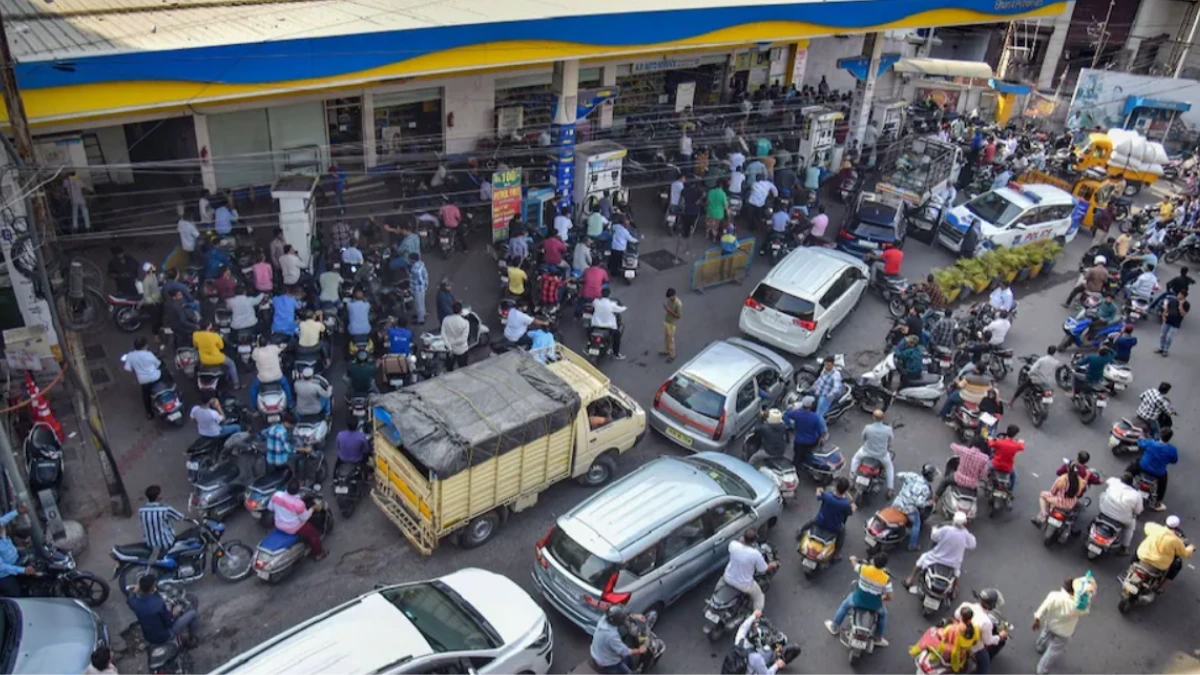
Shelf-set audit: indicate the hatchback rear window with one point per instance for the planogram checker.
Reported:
(873, 231)
(696, 397)
(786, 303)
(579, 561)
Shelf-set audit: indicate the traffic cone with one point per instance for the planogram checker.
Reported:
(39, 408)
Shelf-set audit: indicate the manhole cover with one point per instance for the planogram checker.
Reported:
(100, 377)
(94, 352)
(662, 260)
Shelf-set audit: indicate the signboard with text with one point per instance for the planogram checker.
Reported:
(506, 201)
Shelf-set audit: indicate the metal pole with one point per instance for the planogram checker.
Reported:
(9, 461)
(1187, 46)
(1103, 34)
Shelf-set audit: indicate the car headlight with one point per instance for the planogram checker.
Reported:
(545, 638)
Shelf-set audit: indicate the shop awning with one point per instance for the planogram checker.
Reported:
(1134, 102)
(859, 65)
(1009, 87)
(945, 68)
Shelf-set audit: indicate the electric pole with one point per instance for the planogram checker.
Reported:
(86, 404)
(1103, 37)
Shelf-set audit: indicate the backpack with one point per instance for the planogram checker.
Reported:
(737, 661)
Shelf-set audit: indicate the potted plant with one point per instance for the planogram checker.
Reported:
(1032, 256)
(949, 281)
(975, 274)
(1008, 262)
(1050, 251)
(992, 267)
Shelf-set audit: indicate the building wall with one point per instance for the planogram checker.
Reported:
(1100, 96)
(116, 151)
(1154, 18)
(961, 46)
(472, 102)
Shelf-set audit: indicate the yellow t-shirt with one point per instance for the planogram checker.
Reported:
(516, 280)
(210, 346)
(1161, 546)
(310, 333)
(1166, 210)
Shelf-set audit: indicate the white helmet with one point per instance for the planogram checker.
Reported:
(1100, 260)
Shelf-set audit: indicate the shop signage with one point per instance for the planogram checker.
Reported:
(35, 311)
(662, 64)
(506, 201)
(799, 65)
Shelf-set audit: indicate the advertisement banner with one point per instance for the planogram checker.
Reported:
(946, 98)
(506, 201)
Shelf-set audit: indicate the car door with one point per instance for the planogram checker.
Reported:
(683, 557)
(770, 381)
(608, 434)
(835, 301)
(727, 520)
(856, 285)
(745, 405)
(1017, 230)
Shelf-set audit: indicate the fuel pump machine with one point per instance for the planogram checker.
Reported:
(598, 167)
(889, 117)
(816, 136)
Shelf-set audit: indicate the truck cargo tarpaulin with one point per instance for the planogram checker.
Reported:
(462, 418)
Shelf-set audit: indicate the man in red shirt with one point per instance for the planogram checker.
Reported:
(594, 279)
(451, 217)
(553, 250)
(1004, 453)
(989, 151)
(888, 261)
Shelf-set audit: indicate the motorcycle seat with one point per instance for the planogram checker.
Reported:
(315, 418)
(42, 437)
(923, 379)
(345, 470)
(942, 571)
(780, 464)
(820, 533)
(725, 596)
(142, 550)
(206, 444)
(893, 516)
(962, 492)
(273, 478)
(210, 370)
(278, 541)
(223, 473)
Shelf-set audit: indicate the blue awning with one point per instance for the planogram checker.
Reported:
(1134, 102)
(857, 65)
(1008, 87)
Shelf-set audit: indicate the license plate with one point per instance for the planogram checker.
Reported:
(712, 616)
(1008, 362)
(503, 320)
(808, 564)
(1130, 588)
(1047, 400)
(1054, 523)
(858, 644)
(629, 274)
(870, 540)
(931, 603)
(862, 480)
(396, 382)
(594, 352)
(264, 575)
(1101, 403)
(360, 413)
(1092, 548)
(193, 466)
(174, 416)
(679, 436)
(671, 220)
(273, 419)
(1119, 386)
(243, 349)
(257, 515)
(1112, 442)
(341, 490)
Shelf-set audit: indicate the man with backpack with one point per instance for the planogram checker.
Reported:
(747, 658)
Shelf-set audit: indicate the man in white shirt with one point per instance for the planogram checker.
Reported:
(737, 183)
(759, 192)
(582, 257)
(676, 191)
(998, 329)
(1002, 297)
(1143, 286)
(1123, 503)
(516, 325)
(330, 282)
(745, 560)
(267, 365)
(244, 309)
(685, 147)
(562, 223)
(456, 331)
(604, 315)
(290, 266)
(756, 658)
(207, 213)
(736, 160)
(147, 368)
(989, 636)
(188, 233)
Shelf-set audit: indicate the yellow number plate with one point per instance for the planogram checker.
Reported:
(679, 436)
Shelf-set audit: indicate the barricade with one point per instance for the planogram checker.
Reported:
(713, 268)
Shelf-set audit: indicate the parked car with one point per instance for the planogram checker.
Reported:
(715, 397)
(469, 621)
(48, 635)
(1009, 217)
(804, 298)
(651, 536)
(875, 224)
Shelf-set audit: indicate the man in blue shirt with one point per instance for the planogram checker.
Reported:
(621, 239)
(809, 427)
(224, 219)
(608, 652)
(214, 259)
(1156, 457)
(9, 569)
(836, 507)
(358, 314)
(1123, 345)
(159, 624)
(283, 321)
(1094, 365)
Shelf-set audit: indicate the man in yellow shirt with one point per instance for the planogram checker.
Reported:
(516, 281)
(211, 349)
(312, 328)
(1163, 549)
(1166, 211)
(1122, 245)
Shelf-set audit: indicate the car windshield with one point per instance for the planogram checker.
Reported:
(446, 621)
(731, 484)
(994, 208)
(695, 396)
(587, 567)
(874, 231)
(785, 303)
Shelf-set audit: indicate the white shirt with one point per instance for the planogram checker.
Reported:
(206, 211)
(604, 313)
(188, 235)
(266, 361)
(208, 421)
(290, 266)
(736, 160)
(144, 364)
(947, 194)
(983, 623)
(485, 191)
(456, 332)
(1002, 298)
(1121, 502)
(245, 311)
(676, 191)
(1144, 284)
(736, 179)
(744, 562)
(685, 145)
(351, 256)
(562, 225)
(999, 329)
(331, 286)
(870, 135)
(760, 190)
(516, 325)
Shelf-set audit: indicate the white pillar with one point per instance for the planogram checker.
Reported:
(872, 48)
(925, 49)
(608, 78)
(370, 147)
(1054, 47)
(208, 173)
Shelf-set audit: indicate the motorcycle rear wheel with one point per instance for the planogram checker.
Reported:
(1125, 604)
(1172, 255)
(1049, 534)
(896, 306)
(1088, 412)
(128, 319)
(228, 567)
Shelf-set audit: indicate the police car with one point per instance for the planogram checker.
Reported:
(1013, 215)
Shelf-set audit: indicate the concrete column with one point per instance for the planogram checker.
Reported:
(565, 86)
(208, 173)
(608, 78)
(1054, 48)
(370, 146)
(471, 100)
(872, 49)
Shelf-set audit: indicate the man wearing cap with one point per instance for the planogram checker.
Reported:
(772, 435)
(951, 543)
(312, 396)
(1164, 550)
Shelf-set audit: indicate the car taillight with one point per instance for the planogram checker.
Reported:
(805, 324)
(720, 427)
(537, 549)
(846, 235)
(754, 305)
(608, 597)
(658, 394)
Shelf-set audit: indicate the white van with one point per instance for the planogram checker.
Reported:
(1009, 217)
(804, 298)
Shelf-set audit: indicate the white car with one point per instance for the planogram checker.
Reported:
(1009, 217)
(471, 621)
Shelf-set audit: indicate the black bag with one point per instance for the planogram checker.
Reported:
(737, 661)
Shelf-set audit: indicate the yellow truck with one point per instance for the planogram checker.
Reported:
(456, 454)
(1121, 154)
(1095, 187)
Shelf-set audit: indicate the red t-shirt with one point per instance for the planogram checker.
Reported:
(1004, 453)
(553, 250)
(891, 261)
(594, 279)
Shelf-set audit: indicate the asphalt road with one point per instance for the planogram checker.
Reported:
(367, 549)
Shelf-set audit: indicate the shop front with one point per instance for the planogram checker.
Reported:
(525, 101)
(249, 148)
(1152, 117)
(407, 123)
(668, 85)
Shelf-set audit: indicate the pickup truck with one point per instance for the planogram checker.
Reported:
(914, 171)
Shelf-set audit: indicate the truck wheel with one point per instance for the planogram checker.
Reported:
(479, 530)
(600, 472)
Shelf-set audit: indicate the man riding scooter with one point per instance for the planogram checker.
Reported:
(312, 396)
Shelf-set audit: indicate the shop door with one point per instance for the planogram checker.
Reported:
(343, 116)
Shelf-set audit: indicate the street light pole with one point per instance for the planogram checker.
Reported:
(1103, 34)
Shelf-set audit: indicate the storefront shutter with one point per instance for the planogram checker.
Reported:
(240, 144)
(298, 138)
(406, 97)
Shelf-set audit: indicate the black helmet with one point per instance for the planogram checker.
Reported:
(361, 356)
(990, 598)
(929, 472)
(616, 615)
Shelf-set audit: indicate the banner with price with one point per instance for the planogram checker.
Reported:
(506, 201)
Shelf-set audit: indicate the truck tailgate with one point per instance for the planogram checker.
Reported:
(404, 495)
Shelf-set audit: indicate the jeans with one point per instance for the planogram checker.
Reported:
(843, 609)
(1051, 646)
(10, 587)
(983, 661)
(230, 429)
(1166, 337)
(618, 668)
(184, 623)
(1161, 296)
(456, 361)
(311, 537)
(823, 404)
(232, 371)
(953, 399)
(914, 528)
(287, 390)
(1135, 468)
(889, 472)
(78, 208)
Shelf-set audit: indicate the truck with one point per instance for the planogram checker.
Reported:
(1094, 187)
(1120, 153)
(455, 455)
(915, 169)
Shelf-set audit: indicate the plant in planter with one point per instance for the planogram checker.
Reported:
(1008, 262)
(1050, 252)
(975, 274)
(992, 267)
(1031, 261)
(949, 281)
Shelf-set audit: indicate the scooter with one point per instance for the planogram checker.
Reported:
(312, 431)
(210, 380)
(938, 587)
(1125, 434)
(958, 499)
(997, 492)
(243, 339)
(1060, 523)
(889, 528)
(187, 558)
(1075, 328)
(858, 634)
(272, 401)
(868, 479)
(445, 242)
(807, 374)
(1088, 403)
(1147, 486)
(186, 360)
(637, 633)
(308, 357)
(1140, 585)
(260, 490)
(478, 335)
(279, 552)
(1117, 376)
(629, 260)
(599, 344)
(727, 607)
(892, 289)
(873, 395)
(816, 547)
(780, 470)
(43, 459)
(1037, 400)
(1102, 536)
(223, 320)
(350, 485)
(164, 398)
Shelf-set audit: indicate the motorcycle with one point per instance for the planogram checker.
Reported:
(445, 241)
(308, 357)
(808, 373)
(816, 547)
(1117, 377)
(868, 479)
(1088, 403)
(55, 576)
(1102, 536)
(478, 335)
(1037, 400)
(243, 340)
(780, 470)
(43, 459)
(892, 289)
(350, 485)
(164, 398)
(210, 380)
(1147, 486)
(186, 360)
(858, 634)
(277, 554)
(129, 314)
(629, 260)
(727, 607)
(1060, 523)
(260, 491)
(223, 321)
(171, 657)
(1076, 328)
(874, 395)
(639, 633)
(958, 499)
(999, 362)
(888, 528)
(938, 588)
(1140, 585)
(312, 431)
(997, 492)
(1189, 248)
(1126, 433)
(848, 186)
(599, 344)
(187, 558)
(272, 401)
(772, 642)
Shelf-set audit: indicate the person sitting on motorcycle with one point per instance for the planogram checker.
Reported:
(1164, 549)
(836, 506)
(974, 369)
(148, 369)
(360, 376)
(998, 328)
(243, 310)
(353, 446)
(1070, 483)
(1123, 344)
(1041, 374)
(952, 640)
(877, 439)
(1093, 279)
(269, 369)
(210, 420)
(745, 561)
(310, 335)
(283, 320)
(886, 263)
(909, 360)
(604, 315)
(312, 397)
(990, 635)
(756, 653)
(1093, 366)
(1153, 404)
(211, 348)
(991, 405)
(809, 427)
(773, 438)
(358, 314)
(873, 589)
(1104, 314)
(827, 386)
(608, 652)
(159, 624)
(397, 336)
(942, 331)
(1142, 288)
(1122, 503)
(1156, 456)
(950, 546)
(330, 285)
(1004, 450)
(1001, 298)
(916, 493)
(215, 258)
(973, 463)
(292, 515)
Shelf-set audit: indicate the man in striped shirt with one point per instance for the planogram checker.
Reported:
(157, 519)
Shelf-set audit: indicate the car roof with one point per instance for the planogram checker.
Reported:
(625, 512)
(723, 363)
(810, 269)
(1035, 194)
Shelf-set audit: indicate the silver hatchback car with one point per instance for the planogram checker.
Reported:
(651, 536)
(716, 397)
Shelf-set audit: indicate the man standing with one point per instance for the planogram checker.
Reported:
(820, 223)
(188, 234)
(1174, 309)
(277, 248)
(124, 272)
(290, 266)
(1101, 223)
(456, 332)
(673, 309)
(445, 300)
(759, 192)
(418, 281)
(1057, 617)
(145, 365)
(716, 212)
(827, 386)
(75, 191)
(156, 519)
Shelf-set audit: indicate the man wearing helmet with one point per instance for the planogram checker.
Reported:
(609, 653)
(916, 492)
(1092, 280)
(989, 637)
(360, 375)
